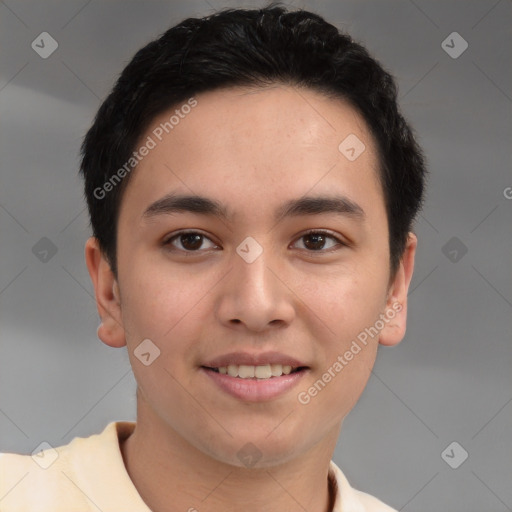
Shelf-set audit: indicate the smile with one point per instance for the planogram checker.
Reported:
(255, 383)
(266, 371)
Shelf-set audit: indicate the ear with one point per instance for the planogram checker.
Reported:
(395, 314)
(111, 330)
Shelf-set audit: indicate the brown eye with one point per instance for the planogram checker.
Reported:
(190, 241)
(315, 241)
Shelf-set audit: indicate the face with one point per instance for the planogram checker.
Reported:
(291, 274)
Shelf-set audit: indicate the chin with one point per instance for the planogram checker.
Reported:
(256, 452)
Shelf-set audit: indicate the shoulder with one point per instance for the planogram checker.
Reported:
(57, 478)
(29, 481)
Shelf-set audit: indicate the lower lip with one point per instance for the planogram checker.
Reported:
(255, 390)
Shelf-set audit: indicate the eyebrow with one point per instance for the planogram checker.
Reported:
(316, 205)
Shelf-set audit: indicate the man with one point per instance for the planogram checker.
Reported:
(252, 187)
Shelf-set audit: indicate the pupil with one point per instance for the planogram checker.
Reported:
(194, 238)
(319, 241)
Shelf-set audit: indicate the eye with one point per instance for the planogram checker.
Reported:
(316, 241)
(190, 241)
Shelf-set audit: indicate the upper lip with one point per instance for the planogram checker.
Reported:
(246, 358)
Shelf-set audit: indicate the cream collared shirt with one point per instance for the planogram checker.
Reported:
(89, 474)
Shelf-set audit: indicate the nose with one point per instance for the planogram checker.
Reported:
(255, 296)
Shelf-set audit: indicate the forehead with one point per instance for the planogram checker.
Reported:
(241, 143)
(278, 115)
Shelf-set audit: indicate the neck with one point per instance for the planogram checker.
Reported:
(172, 475)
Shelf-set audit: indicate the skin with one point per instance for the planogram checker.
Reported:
(250, 149)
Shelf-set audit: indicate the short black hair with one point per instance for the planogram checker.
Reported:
(257, 48)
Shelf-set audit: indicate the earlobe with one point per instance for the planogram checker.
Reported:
(106, 288)
(396, 305)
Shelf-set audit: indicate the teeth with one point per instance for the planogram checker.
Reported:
(244, 371)
(263, 372)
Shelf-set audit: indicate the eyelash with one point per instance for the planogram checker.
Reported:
(168, 242)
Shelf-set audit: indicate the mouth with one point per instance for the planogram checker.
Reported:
(260, 372)
(249, 383)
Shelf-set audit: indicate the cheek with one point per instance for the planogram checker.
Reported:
(170, 307)
(350, 306)
(156, 298)
(346, 300)
(163, 306)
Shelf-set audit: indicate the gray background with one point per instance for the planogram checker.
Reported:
(449, 380)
